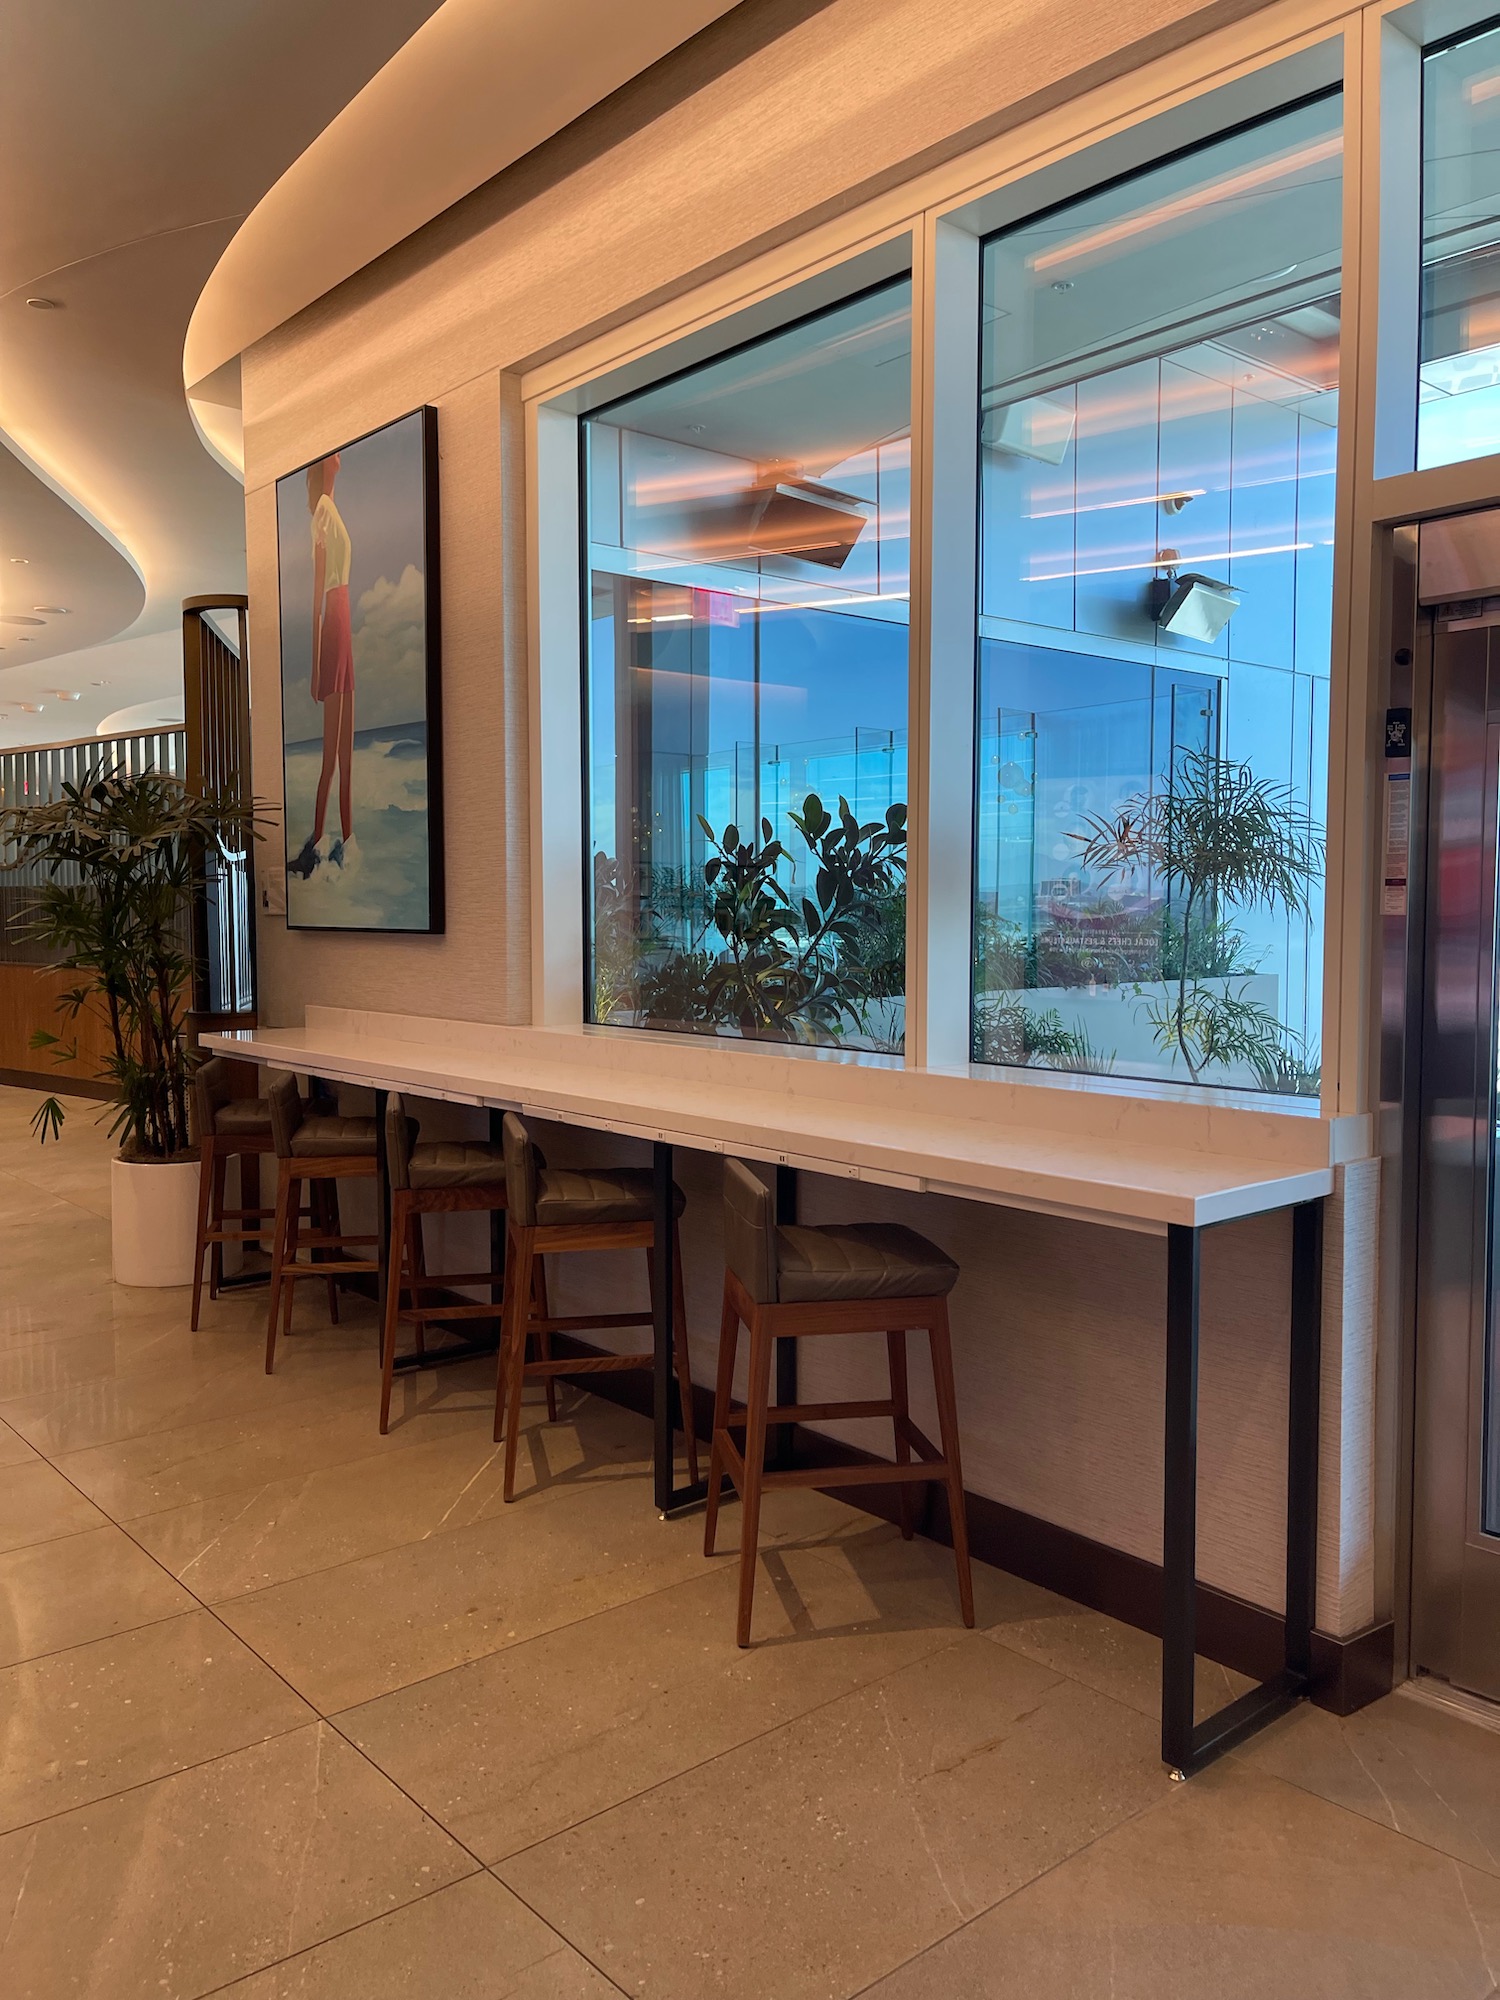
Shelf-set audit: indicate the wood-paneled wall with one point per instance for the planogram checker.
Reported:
(27, 1001)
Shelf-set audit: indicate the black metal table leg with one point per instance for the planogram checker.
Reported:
(1187, 1745)
(670, 1498)
(1179, 1535)
(786, 1350)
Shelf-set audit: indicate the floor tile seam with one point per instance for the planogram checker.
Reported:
(333, 1937)
(208, 1451)
(569, 1944)
(1105, 1694)
(347, 1562)
(52, 1195)
(1021, 1888)
(339, 1466)
(103, 1638)
(1245, 1763)
(365, 1923)
(312, 1721)
(158, 1430)
(361, 1457)
(50, 1541)
(551, 1632)
(732, 1750)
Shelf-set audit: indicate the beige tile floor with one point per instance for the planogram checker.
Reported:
(296, 1712)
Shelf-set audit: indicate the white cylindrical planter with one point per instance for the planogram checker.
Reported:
(153, 1221)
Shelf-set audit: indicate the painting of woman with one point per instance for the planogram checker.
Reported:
(357, 544)
(333, 669)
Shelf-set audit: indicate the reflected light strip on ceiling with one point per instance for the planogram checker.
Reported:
(747, 607)
(1107, 506)
(1152, 562)
(1227, 188)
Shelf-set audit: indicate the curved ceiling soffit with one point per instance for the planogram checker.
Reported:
(478, 86)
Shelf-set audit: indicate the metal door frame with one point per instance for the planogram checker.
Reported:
(1445, 1253)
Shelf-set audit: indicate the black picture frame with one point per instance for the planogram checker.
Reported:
(296, 649)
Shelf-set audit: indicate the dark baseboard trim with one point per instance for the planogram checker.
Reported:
(1347, 1673)
(55, 1085)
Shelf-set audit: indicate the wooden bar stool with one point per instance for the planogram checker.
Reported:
(321, 1147)
(445, 1177)
(550, 1210)
(229, 1128)
(854, 1278)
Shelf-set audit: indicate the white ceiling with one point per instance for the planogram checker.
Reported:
(133, 142)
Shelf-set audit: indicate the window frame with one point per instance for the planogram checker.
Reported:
(933, 225)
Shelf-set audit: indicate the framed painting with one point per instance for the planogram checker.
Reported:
(361, 724)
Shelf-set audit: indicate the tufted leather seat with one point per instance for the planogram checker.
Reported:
(566, 1195)
(243, 1117)
(861, 1260)
(452, 1163)
(325, 1134)
(302, 1134)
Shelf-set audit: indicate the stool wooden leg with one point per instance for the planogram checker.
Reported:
(280, 1241)
(544, 1336)
(417, 1251)
(205, 1177)
(402, 1239)
(293, 1249)
(756, 1404)
(518, 1267)
(947, 1408)
(729, 1340)
(326, 1195)
(895, 1347)
(682, 1357)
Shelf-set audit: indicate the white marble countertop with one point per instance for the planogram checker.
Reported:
(895, 1128)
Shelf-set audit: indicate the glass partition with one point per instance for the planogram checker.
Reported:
(1158, 421)
(1458, 408)
(746, 544)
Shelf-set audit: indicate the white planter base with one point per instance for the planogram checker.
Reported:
(153, 1221)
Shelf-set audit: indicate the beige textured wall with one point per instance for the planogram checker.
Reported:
(726, 148)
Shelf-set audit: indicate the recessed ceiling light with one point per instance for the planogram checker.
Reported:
(43, 305)
(100, 684)
(67, 694)
(20, 618)
(27, 640)
(52, 610)
(24, 561)
(31, 708)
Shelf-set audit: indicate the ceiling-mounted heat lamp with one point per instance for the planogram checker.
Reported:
(1190, 605)
(798, 517)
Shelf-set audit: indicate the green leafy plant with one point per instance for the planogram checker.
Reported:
(758, 957)
(120, 854)
(1217, 836)
(1007, 1032)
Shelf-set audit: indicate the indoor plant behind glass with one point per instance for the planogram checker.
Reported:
(114, 859)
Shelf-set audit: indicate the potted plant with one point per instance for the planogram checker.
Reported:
(118, 854)
(1219, 838)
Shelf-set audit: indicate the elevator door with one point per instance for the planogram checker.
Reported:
(1456, 1512)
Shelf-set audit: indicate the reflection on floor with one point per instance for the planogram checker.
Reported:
(295, 1710)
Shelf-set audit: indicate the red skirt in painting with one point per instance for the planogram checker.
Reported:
(333, 670)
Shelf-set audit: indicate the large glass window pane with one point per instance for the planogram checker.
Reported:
(1159, 397)
(747, 528)
(1458, 410)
